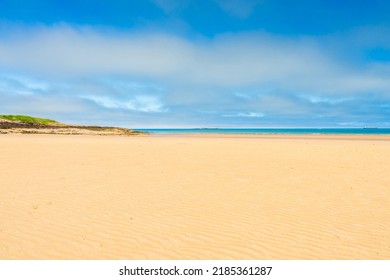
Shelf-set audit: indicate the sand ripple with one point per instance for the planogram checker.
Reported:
(69, 197)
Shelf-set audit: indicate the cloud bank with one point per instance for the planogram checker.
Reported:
(151, 79)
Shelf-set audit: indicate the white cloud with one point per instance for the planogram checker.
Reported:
(147, 104)
(230, 60)
(21, 85)
(320, 99)
(256, 74)
(245, 115)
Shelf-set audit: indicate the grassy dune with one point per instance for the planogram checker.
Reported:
(28, 119)
(20, 124)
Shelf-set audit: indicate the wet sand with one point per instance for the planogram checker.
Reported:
(198, 197)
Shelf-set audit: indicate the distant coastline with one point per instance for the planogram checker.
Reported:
(269, 131)
(19, 124)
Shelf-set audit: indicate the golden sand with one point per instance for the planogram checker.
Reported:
(90, 197)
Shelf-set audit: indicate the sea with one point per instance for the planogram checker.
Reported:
(270, 131)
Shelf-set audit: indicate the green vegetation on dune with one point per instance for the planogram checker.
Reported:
(27, 119)
(19, 124)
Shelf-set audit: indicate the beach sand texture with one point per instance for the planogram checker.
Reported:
(91, 197)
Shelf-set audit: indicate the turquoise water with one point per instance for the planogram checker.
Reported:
(267, 130)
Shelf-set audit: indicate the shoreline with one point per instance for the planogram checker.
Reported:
(377, 137)
(354, 137)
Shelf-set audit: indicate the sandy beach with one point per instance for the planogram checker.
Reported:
(178, 197)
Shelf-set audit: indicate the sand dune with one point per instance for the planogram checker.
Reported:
(86, 197)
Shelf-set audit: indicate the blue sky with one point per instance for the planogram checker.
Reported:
(204, 63)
